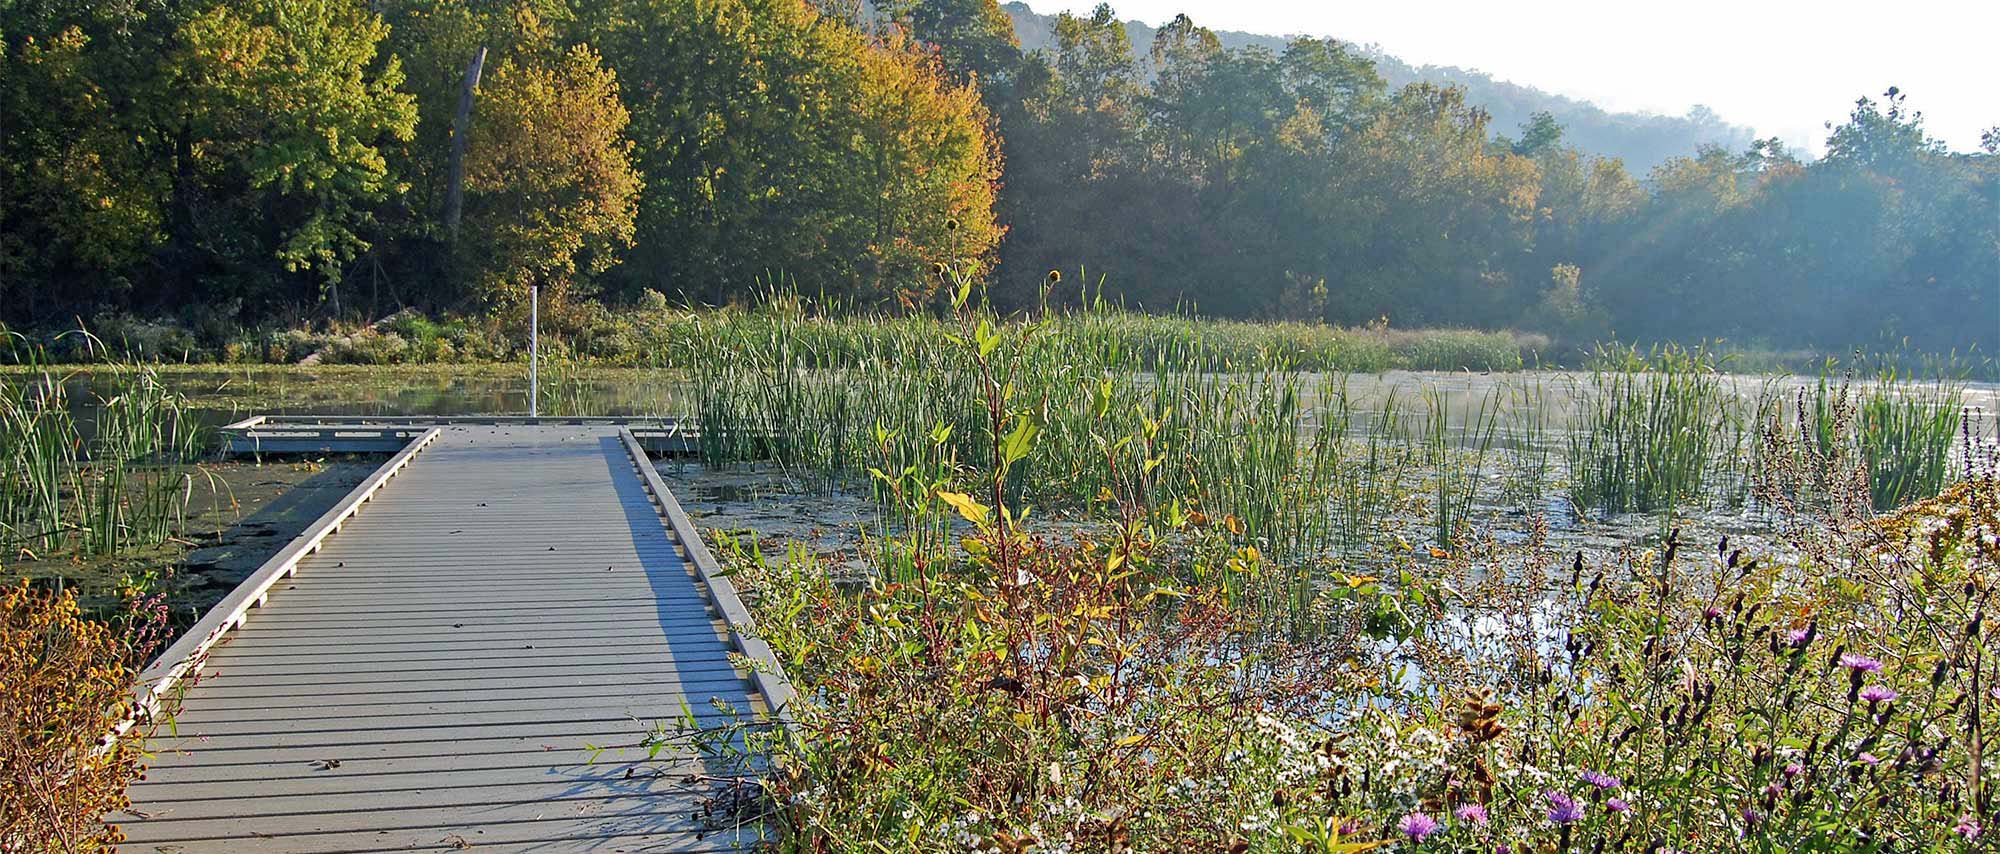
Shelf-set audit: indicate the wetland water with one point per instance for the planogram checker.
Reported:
(242, 510)
(227, 393)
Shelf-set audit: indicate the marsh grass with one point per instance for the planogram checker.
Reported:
(1162, 679)
(1895, 433)
(1647, 432)
(1908, 432)
(1455, 451)
(1288, 455)
(1530, 432)
(121, 478)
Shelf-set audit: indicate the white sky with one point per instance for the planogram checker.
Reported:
(1782, 67)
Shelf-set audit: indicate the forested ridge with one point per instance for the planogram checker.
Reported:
(1642, 140)
(238, 163)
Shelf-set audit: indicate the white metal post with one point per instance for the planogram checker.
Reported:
(534, 351)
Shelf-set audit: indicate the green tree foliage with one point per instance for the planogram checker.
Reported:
(222, 154)
(285, 160)
(776, 142)
(1246, 183)
(974, 38)
(77, 193)
(83, 182)
(1888, 239)
(550, 185)
(247, 160)
(288, 105)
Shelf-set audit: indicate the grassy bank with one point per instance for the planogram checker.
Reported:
(657, 335)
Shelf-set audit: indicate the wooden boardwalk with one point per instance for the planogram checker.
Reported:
(434, 668)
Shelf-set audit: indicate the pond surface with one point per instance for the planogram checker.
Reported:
(226, 394)
(243, 511)
(240, 512)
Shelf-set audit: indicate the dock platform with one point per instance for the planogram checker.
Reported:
(465, 654)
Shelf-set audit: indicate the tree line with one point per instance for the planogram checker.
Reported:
(1642, 140)
(283, 161)
(246, 161)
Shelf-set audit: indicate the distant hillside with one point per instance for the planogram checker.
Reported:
(1642, 140)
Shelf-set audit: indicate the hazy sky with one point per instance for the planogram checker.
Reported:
(1781, 67)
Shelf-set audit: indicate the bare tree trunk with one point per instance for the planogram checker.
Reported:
(461, 125)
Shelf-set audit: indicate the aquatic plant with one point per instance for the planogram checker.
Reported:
(1454, 453)
(1881, 443)
(120, 478)
(1114, 688)
(1647, 433)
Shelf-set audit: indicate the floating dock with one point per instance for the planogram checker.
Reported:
(467, 652)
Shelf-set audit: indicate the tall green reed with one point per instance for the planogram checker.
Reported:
(1646, 432)
(1901, 429)
(1529, 433)
(1455, 450)
(117, 478)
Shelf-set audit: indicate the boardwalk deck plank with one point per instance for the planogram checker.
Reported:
(496, 770)
(461, 648)
(628, 701)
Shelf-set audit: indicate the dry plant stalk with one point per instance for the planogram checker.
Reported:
(65, 685)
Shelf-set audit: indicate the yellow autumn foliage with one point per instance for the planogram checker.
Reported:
(65, 683)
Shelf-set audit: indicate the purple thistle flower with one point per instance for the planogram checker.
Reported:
(1967, 827)
(1602, 780)
(1861, 663)
(1563, 809)
(1794, 769)
(1879, 693)
(1417, 826)
(1350, 827)
(1472, 814)
(1867, 758)
(1797, 637)
(1617, 805)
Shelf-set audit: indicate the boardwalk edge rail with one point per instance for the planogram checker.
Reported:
(264, 434)
(765, 671)
(187, 655)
